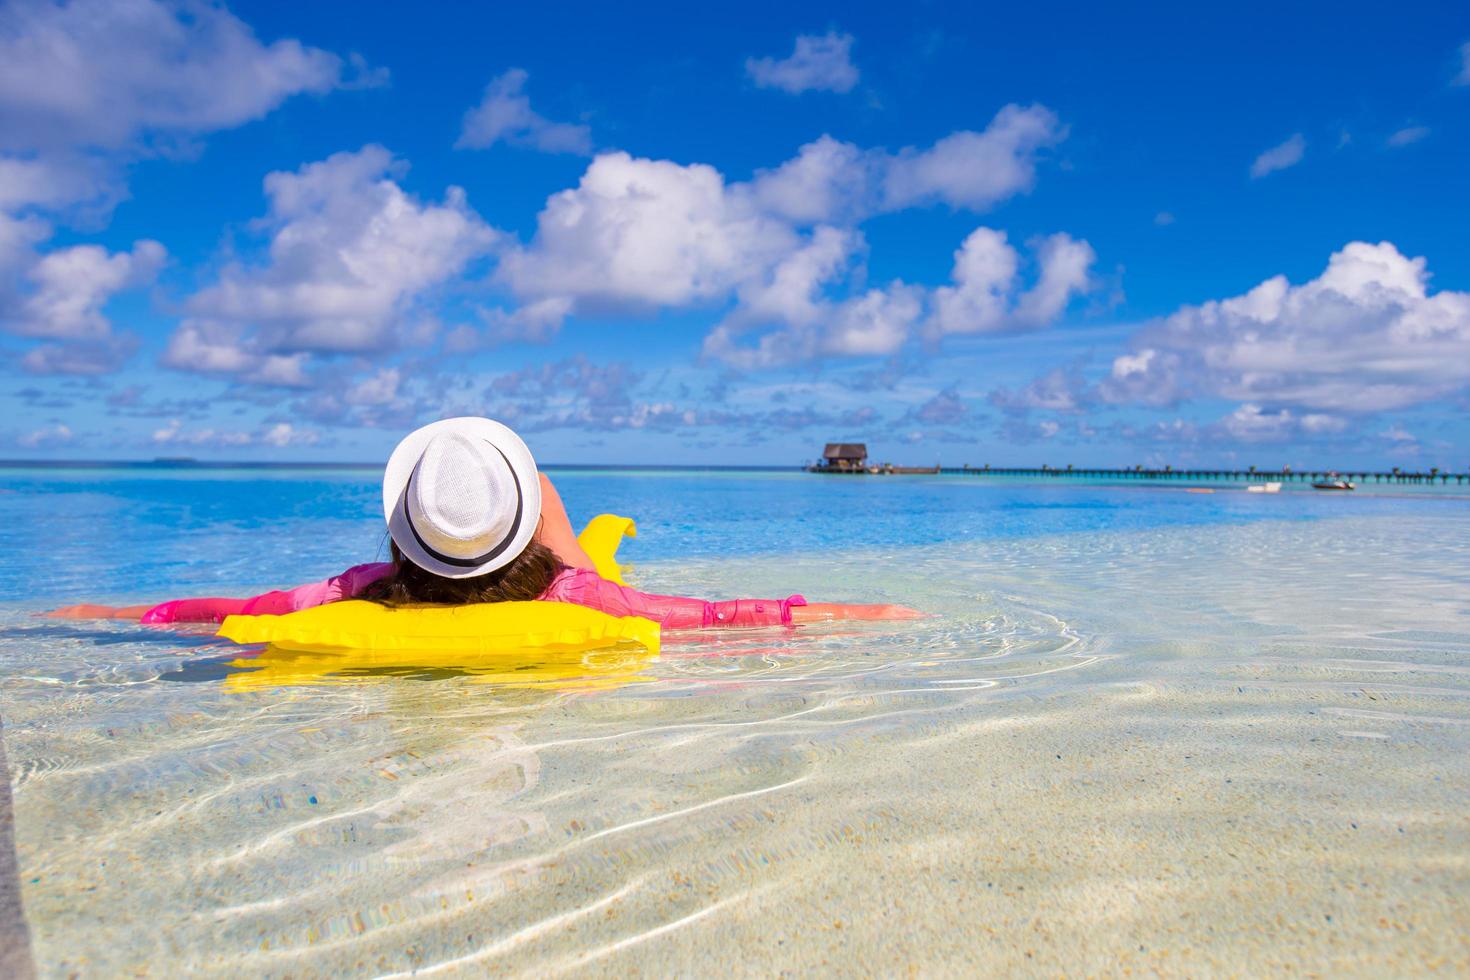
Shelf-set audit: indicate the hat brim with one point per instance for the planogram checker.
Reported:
(406, 456)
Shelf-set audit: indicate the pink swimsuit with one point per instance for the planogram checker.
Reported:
(575, 585)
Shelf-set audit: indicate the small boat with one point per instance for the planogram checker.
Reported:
(1264, 488)
(1334, 485)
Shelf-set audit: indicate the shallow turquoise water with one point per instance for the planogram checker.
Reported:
(1142, 729)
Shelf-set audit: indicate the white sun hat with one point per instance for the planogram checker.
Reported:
(461, 497)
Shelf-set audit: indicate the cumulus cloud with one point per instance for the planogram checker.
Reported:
(832, 181)
(1364, 336)
(1249, 423)
(380, 388)
(56, 181)
(1281, 156)
(73, 284)
(827, 181)
(645, 233)
(505, 114)
(877, 322)
(641, 234)
(88, 86)
(790, 291)
(350, 255)
(986, 295)
(975, 170)
(102, 73)
(819, 63)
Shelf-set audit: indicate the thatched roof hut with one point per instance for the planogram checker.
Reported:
(845, 455)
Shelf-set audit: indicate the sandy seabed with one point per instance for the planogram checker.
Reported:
(1227, 750)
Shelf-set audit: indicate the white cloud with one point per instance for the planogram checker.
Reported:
(1463, 78)
(56, 434)
(790, 295)
(103, 73)
(1249, 423)
(85, 87)
(819, 63)
(1058, 390)
(638, 232)
(1408, 135)
(1318, 423)
(790, 292)
(62, 295)
(980, 301)
(832, 181)
(877, 322)
(1164, 218)
(986, 298)
(1366, 335)
(73, 284)
(1287, 154)
(285, 434)
(378, 389)
(1397, 433)
(174, 434)
(350, 255)
(55, 181)
(1066, 265)
(212, 347)
(505, 113)
(975, 170)
(827, 180)
(18, 238)
(279, 435)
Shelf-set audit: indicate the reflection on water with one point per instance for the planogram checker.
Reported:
(536, 669)
(1224, 749)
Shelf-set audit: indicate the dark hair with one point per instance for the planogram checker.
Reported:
(525, 578)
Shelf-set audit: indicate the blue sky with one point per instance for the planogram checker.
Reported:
(1075, 234)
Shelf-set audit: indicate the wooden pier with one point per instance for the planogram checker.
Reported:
(1251, 475)
(852, 458)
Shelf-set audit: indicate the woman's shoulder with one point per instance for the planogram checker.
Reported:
(569, 583)
(359, 577)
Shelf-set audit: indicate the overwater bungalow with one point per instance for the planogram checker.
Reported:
(843, 457)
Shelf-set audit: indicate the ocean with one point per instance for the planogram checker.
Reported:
(1139, 729)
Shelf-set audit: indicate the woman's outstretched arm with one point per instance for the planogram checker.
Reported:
(89, 610)
(823, 612)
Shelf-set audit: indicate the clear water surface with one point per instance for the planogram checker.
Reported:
(1142, 729)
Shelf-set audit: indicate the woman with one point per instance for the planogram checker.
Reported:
(471, 520)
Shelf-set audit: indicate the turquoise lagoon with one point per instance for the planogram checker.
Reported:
(1141, 729)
